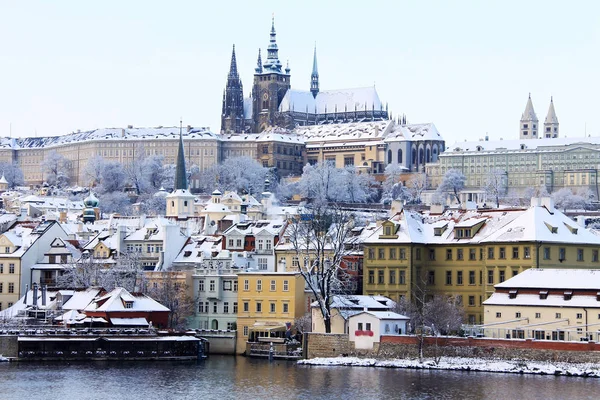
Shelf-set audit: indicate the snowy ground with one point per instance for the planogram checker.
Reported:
(468, 364)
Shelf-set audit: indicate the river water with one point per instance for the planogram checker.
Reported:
(226, 377)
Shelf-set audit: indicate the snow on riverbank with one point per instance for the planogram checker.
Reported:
(468, 364)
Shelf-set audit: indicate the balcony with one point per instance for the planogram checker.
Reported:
(264, 252)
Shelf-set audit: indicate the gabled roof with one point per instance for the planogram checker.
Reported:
(359, 99)
(116, 300)
(540, 278)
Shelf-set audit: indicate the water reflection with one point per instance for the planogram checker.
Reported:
(241, 378)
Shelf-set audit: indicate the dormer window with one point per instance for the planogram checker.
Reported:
(129, 304)
(543, 294)
(568, 295)
(512, 294)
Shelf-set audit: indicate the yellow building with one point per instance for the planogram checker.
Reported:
(465, 253)
(545, 304)
(267, 301)
(11, 251)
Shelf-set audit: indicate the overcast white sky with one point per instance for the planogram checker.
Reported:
(466, 66)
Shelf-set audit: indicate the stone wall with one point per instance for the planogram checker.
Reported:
(330, 345)
(9, 346)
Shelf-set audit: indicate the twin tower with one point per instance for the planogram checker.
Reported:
(529, 127)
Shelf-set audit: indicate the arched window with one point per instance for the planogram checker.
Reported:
(428, 155)
(399, 156)
(421, 156)
(414, 156)
(389, 156)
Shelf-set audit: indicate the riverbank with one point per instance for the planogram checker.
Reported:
(587, 370)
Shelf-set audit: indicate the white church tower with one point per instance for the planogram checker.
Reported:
(529, 122)
(551, 122)
(180, 203)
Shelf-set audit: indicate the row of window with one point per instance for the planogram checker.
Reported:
(516, 253)
(11, 268)
(8, 305)
(272, 286)
(285, 307)
(227, 285)
(11, 287)
(204, 307)
(391, 277)
(451, 277)
(538, 315)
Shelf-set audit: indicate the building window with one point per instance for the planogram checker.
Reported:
(392, 277)
(348, 161)
(459, 254)
(518, 315)
(501, 276)
(259, 285)
(561, 254)
(431, 255)
(227, 286)
(459, 277)
(211, 286)
(258, 307)
(579, 315)
(418, 255)
(371, 277)
(235, 307)
(392, 254)
(579, 254)
(471, 277)
(371, 254)
(226, 307)
(490, 279)
(11, 268)
(431, 278)
(546, 253)
(594, 255)
(11, 287)
(527, 252)
(515, 253)
(538, 315)
(472, 301)
(273, 286)
(490, 253)
(286, 307)
(380, 277)
(472, 255)
(272, 307)
(381, 254)
(246, 285)
(502, 252)
(402, 278)
(558, 315)
(448, 277)
(498, 315)
(215, 307)
(403, 254)
(286, 285)
(245, 331)
(201, 285)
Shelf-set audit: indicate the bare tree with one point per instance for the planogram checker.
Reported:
(416, 186)
(452, 183)
(173, 294)
(393, 189)
(304, 323)
(94, 170)
(495, 185)
(136, 172)
(318, 240)
(55, 167)
(12, 173)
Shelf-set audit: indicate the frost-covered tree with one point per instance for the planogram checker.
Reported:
(55, 166)
(452, 183)
(320, 183)
(154, 172)
(319, 244)
(495, 185)
(416, 186)
(12, 173)
(393, 189)
(172, 293)
(94, 170)
(239, 174)
(115, 202)
(136, 172)
(113, 178)
(360, 188)
(566, 198)
(152, 204)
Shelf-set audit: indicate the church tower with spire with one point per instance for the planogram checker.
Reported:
(271, 82)
(232, 115)
(314, 77)
(551, 122)
(180, 203)
(529, 122)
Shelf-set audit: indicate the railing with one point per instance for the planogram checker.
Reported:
(279, 350)
(264, 252)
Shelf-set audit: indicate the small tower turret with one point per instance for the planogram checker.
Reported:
(529, 122)
(551, 122)
(314, 77)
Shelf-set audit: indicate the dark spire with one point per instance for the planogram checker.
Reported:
(180, 178)
(314, 77)
(233, 72)
(273, 64)
(259, 68)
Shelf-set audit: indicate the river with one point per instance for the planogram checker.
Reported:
(223, 377)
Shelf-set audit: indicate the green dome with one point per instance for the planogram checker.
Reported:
(91, 201)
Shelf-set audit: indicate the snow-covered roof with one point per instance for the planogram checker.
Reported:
(357, 99)
(553, 300)
(541, 144)
(412, 132)
(355, 131)
(116, 300)
(535, 278)
(360, 302)
(80, 299)
(385, 315)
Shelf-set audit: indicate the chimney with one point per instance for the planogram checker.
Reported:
(44, 289)
(35, 293)
(189, 128)
(63, 217)
(26, 293)
(129, 126)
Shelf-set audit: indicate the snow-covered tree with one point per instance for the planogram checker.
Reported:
(113, 178)
(360, 188)
(94, 170)
(12, 173)
(495, 185)
(152, 204)
(240, 174)
(393, 189)
(172, 293)
(115, 202)
(566, 198)
(452, 183)
(319, 245)
(55, 166)
(319, 183)
(416, 186)
(154, 172)
(136, 172)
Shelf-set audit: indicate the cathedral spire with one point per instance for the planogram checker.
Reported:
(259, 67)
(273, 64)
(314, 77)
(529, 122)
(180, 178)
(233, 72)
(551, 122)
